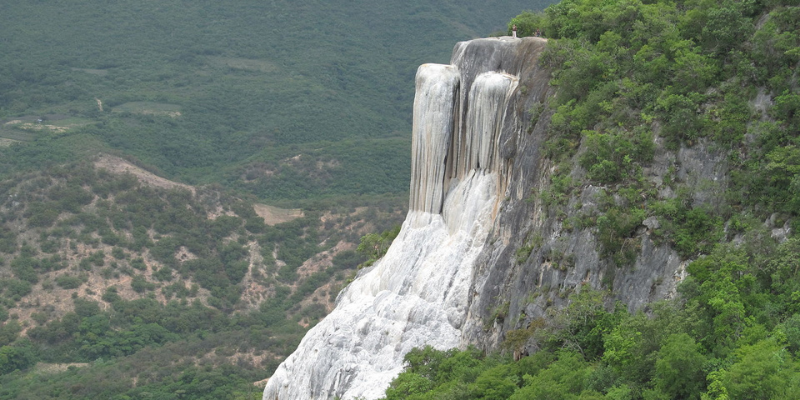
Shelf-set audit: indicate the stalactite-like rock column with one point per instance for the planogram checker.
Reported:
(435, 109)
(475, 177)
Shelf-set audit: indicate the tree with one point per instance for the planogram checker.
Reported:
(408, 384)
(496, 383)
(373, 246)
(41, 215)
(563, 379)
(762, 371)
(14, 358)
(526, 23)
(23, 268)
(679, 368)
(582, 325)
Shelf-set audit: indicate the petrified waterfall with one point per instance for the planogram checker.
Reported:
(419, 293)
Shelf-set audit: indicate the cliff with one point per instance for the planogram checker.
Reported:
(480, 253)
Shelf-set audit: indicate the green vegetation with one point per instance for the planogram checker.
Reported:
(157, 279)
(732, 334)
(635, 78)
(308, 107)
(374, 246)
(181, 347)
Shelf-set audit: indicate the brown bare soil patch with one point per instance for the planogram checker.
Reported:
(49, 368)
(320, 262)
(92, 71)
(255, 292)
(323, 260)
(41, 127)
(274, 215)
(117, 165)
(55, 301)
(184, 254)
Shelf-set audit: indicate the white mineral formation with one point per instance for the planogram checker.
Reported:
(417, 294)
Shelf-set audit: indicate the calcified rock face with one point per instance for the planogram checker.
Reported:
(479, 127)
(420, 292)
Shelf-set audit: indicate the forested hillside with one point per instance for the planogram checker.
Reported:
(228, 92)
(144, 283)
(639, 85)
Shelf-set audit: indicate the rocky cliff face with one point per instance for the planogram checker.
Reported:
(455, 275)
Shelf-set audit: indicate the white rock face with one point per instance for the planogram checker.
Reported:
(435, 110)
(418, 293)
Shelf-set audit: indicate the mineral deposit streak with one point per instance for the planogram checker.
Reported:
(418, 293)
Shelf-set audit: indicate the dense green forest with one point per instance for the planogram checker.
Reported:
(228, 92)
(629, 75)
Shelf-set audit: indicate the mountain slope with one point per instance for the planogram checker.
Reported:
(106, 261)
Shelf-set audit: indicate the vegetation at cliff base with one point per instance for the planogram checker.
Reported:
(374, 246)
(733, 333)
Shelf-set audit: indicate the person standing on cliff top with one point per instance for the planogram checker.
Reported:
(514, 30)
